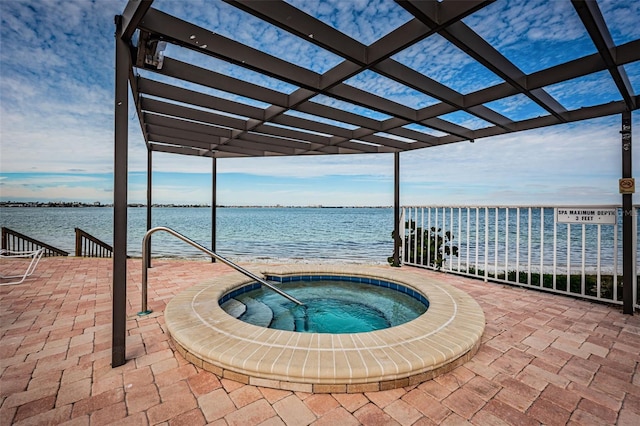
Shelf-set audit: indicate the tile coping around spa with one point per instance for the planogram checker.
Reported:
(444, 337)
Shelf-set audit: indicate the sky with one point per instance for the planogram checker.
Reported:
(56, 111)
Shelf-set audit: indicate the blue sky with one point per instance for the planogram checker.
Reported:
(56, 114)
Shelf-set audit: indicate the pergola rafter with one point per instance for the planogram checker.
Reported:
(593, 21)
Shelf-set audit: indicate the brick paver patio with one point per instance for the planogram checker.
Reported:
(545, 359)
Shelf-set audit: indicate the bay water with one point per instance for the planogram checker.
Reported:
(336, 235)
(351, 235)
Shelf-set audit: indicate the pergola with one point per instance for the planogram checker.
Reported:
(179, 114)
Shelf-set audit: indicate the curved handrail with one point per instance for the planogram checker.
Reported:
(146, 255)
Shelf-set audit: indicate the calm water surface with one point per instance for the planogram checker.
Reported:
(361, 235)
(355, 235)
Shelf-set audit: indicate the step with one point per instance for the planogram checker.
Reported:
(283, 320)
(257, 313)
(234, 308)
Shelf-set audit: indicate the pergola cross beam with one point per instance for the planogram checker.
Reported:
(480, 50)
(592, 18)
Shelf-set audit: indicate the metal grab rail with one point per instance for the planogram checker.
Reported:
(146, 257)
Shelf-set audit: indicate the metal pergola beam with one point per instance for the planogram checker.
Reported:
(186, 96)
(206, 42)
(149, 197)
(169, 136)
(593, 21)
(480, 50)
(294, 21)
(193, 74)
(158, 107)
(201, 76)
(181, 150)
(191, 129)
(120, 172)
(133, 13)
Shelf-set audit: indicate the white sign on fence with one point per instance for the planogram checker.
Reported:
(586, 215)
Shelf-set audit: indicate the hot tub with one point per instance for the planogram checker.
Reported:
(444, 337)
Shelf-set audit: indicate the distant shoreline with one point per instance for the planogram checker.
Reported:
(74, 204)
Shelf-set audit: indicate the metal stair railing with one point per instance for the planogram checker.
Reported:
(89, 246)
(15, 241)
(146, 255)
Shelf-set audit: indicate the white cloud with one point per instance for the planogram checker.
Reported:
(575, 163)
(390, 89)
(56, 86)
(517, 28)
(593, 89)
(50, 180)
(300, 167)
(440, 60)
(56, 193)
(504, 23)
(622, 19)
(305, 197)
(359, 19)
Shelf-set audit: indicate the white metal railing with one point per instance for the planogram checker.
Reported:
(524, 246)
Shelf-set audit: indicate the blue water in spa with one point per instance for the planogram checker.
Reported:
(329, 307)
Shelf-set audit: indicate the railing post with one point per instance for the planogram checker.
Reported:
(149, 194)
(468, 237)
(636, 301)
(78, 251)
(506, 243)
(429, 236)
(627, 218)
(517, 279)
(496, 237)
(486, 244)
(214, 204)
(146, 256)
(121, 143)
(459, 233)
(529, 246)
(396, 210)
(542, 247)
